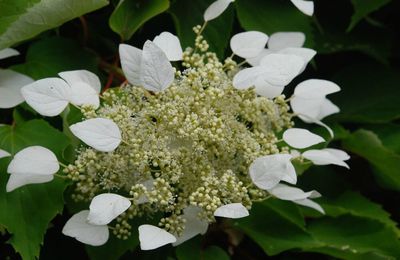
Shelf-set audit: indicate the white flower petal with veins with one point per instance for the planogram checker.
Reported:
(267, 171)
(156, 71)
(100, 133)
(85, 87)
(106, 207)
(193, 224)
(11, 83)
(152, 237)
(49, 97)
(170, 44)
(323, 157)
(282, 40)
(306, 7)
(78, 228)
(248, 44)
(131, 63)
(8, 52)
(233, 210)
(301, 138)
(216, 9)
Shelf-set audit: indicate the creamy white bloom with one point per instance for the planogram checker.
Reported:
(306, 7)
(296, 195)
(233, 210)
(326, 157)
(34, 164)
(193, 224)
(105, 207)
(8, 52)
(11, 83)
(152, 237)
(216, 9)
(100, 133)
(301, 138)
(85, 87)
(49, 97)
(267, 171)
(79, 228)
(248, 44)
(170, 45)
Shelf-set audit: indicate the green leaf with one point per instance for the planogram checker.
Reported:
(363, 8)
(50, 56)
(273, 16)
(387, 163)
(215, 253)
(22, 20)
(27, 211)
(277, 226)
(389, 134)
(129, 15)
(192, 250)
(369, 94)
(187, 14)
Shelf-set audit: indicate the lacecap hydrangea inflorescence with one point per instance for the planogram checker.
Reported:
(184, 144)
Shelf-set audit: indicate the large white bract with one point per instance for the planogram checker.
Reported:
(106, 207)
(233, 210)
(11, 83)
(216, 9)
(152, 237)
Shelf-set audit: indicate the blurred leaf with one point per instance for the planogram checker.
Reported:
(50, 56)
(274, 16)
(27, 211)
(24, 19)
(187, 14)
(215, 253)
(362, 8)
(192, 250)
(389, 134)
(387, 163)
(369, 94)
(129, 15)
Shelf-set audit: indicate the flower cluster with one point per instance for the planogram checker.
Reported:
(191, 144)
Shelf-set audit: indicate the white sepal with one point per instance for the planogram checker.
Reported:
(11, 83)
(131, 63)
(99, 133)
(193, 224)
(267, 171)
(4, 154)
(233, 210)
(170, 44)
(248, 44)
(306, 7)
(324, 157)
(311, 204)
(49, 97)
(152, 237)
(156, 72)
(255, 61)
(8, 52)
(18, 180)
(216, 9)
(301, 138)
(281, 69)
(78, 228)
(106, 207)
(340, 154)
(85, 87)
(282, 40)
(247, 77)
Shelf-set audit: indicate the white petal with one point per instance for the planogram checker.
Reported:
(305, 53)
(11, 83)
(100, 133)
(131, 60)
(255, 61)
(49, 97)
(247, 77)
(306, 7)
(315, 88)
(267, 171)
(85, 87)
(8, 52)
(78, 227)
(321, 157)
(285, 192)
(170, 44)
(233, 210)
(309, 107)
(340, 154)
(281, 69)
(248, 44)
(156, 72)
(4, 154)
(216, 9)
(265, 89)
(282, 40)
(34, 160)
(311, 204)
(193, 225)
(106, 207)
(301, 138)
(21, 179)
(327, 108)
(152, 237)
